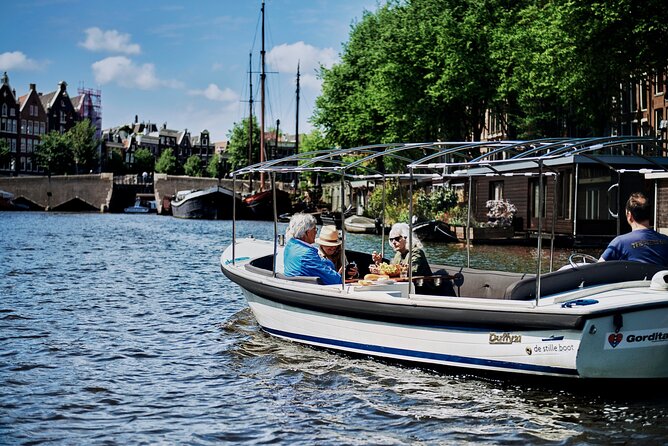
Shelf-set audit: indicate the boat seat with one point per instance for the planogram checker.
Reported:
(478, 283)
(583, 276)
(254, 269)
(305, 279)
(265, 262)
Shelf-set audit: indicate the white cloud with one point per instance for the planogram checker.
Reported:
(16, 60)
(112, 41)
(283, 58)
(124, 72)
(214, 93)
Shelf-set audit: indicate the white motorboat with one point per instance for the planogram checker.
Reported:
(360, 224)
(601, 320)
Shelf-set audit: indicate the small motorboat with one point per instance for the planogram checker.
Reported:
(360, 225)
(434, 231)
(139, 208)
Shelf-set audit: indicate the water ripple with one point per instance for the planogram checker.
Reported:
(121, 330)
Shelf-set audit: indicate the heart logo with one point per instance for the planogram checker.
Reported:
(614, 339)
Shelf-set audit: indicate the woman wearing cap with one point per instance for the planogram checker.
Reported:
(398, 239)
(329, 247)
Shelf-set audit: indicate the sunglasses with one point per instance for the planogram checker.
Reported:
(397, 238)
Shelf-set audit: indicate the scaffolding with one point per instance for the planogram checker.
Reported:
(91, 106)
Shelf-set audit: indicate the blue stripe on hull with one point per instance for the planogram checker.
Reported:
(421, 356)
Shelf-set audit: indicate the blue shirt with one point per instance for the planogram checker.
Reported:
(302, 259)
(642, 245)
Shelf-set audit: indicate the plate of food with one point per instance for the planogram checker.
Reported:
(389, 270)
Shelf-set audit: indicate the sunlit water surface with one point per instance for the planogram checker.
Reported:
(120, 329)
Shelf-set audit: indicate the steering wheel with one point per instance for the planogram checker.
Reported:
(584, 258)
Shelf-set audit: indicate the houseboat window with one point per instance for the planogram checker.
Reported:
(565, 196)
(592, 203)
(496, 190)
(534, 202)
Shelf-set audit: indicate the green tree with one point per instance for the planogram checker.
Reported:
(84, 146)
(167, 163)
(193, 166)
(54, 154)
(216, 166)
(238, 146)
(144, 161)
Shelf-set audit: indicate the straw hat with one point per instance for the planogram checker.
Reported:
(329, 236)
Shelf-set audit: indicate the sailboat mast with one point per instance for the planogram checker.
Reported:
(250, 119)
(297, 117)
(262, 99)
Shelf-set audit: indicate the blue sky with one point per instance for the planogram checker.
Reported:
(185, 63)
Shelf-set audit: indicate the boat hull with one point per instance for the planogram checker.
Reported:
(443, 346)
(215, 203)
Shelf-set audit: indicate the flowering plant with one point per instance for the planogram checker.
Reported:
(500, 213)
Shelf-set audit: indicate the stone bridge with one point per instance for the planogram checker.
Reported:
(99, 192)
(62, 192)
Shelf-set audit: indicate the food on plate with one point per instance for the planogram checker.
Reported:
(376, 276)
(390, 270)
(365, 282)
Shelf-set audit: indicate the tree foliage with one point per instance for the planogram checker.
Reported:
(54, 154)
(193, 166)
(167, 163)
(418, 70)
(238, 146)
(215, 168)
(84, 146)
(144, 161)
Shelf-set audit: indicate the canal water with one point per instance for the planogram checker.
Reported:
(120, 330)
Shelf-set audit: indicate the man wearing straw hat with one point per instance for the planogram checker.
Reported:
(329, 247)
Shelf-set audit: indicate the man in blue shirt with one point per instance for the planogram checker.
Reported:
(300, 257)
(642, 244)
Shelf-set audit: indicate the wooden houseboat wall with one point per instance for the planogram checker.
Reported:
(583, 212)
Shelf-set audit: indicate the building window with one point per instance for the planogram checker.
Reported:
(658, 83)
(658, 118)
(12, 112)
(4, 109)
(42, 128)
(642, 91)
